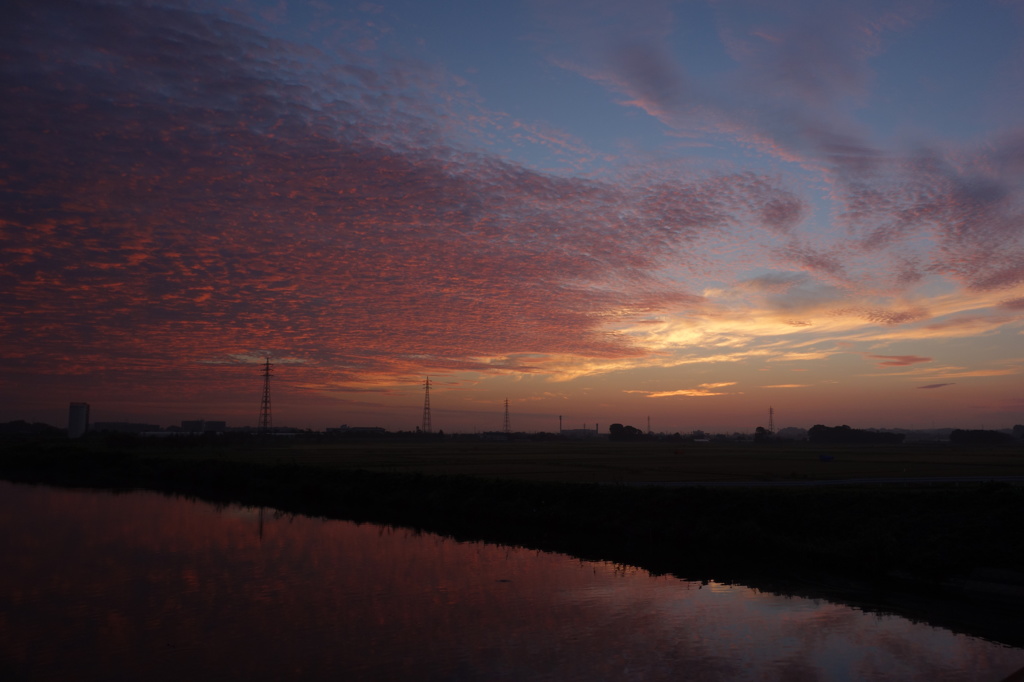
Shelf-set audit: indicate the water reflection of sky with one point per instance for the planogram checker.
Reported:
(142, 586)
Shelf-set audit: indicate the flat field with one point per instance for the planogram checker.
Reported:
(601, 461)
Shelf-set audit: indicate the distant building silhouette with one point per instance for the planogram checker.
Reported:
(78, 419)
(202, 426)
(347, 430)
(125, 427)
(580, 434)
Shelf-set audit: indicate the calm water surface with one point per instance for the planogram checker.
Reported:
(140, 586)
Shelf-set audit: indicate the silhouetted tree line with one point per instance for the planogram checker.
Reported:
(21, 427)
(620, 432)
(821, 434)
(980, 437)
(631, 433)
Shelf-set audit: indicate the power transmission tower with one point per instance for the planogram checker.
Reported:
(508, 424)
(266, 423)
(426, 406)
(771, 420)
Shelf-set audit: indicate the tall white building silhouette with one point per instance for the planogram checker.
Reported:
(78, 419)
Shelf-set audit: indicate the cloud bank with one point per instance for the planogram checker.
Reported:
(185, 187)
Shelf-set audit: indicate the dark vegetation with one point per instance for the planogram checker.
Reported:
(980, 437)
(828, 435)
(620, 432)
(23, 430)
(946, 552)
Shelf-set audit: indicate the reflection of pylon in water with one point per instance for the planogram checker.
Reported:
(426, 406)
(266, 423)
(771, 420)
(508, 424)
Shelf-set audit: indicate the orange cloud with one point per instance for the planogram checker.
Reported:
(703, 390)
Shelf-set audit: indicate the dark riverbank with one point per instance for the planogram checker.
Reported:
(947, 554)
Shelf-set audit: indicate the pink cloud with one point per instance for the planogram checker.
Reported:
(777, 282)
(898, 360)
(247, 215)
(966, 204)
(963, 322)
(801, 71)
(815, 260)
(230, 193)
(893, 317)
(656, 83)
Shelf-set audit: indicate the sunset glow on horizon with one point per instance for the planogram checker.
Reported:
(601, 211)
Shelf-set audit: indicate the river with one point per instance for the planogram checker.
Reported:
(103, 586)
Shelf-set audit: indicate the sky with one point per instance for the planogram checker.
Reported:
(601, 211)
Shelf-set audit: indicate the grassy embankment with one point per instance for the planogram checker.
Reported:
(931, 539)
